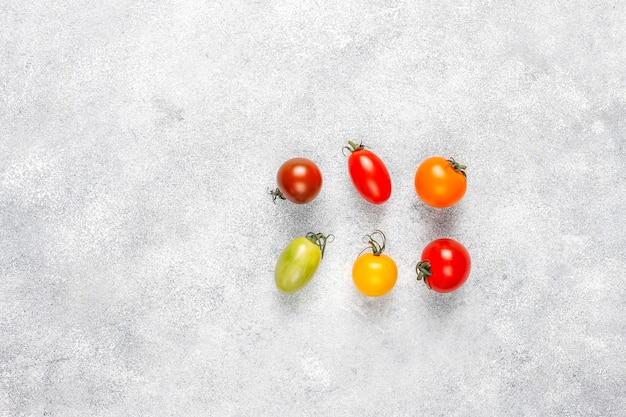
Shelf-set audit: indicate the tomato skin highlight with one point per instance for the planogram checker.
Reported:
(450, 264)
(296, 265)
(374, 275)
(438, 184)
(369, 176)
(299, 179)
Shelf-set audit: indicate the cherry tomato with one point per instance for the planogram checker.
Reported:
(369, 174)
(299, 180)
(375, 274)
(440, 182)
(298, 262)
(445, 265)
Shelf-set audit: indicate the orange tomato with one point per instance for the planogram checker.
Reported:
(440, 182)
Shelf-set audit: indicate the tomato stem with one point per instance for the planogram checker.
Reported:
(276, 194)
(423, 271)
(458, 167)
(352, 147)
(320, 240)
(377, 247)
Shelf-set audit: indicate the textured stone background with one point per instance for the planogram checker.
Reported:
(137, 244)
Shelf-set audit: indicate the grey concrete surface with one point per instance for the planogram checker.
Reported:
(137, 242)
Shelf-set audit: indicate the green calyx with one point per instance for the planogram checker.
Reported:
(377, 247)
(276, 194)
(320, 240)
(460, 168)
(352, 147)
(423, 271)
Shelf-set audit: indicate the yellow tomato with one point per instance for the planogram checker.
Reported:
(374, 275)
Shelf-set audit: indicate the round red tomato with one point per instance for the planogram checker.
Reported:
(299, 180)
(445, 265)
(369, 174)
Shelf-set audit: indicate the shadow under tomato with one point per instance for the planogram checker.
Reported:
(440, 222)
(291, 304)
(294, 220)
(439, 305)
(361, 207)
(373, 306)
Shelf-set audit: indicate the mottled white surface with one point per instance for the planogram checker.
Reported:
(137, 241)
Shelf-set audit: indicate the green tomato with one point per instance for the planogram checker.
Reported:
(298, 262)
